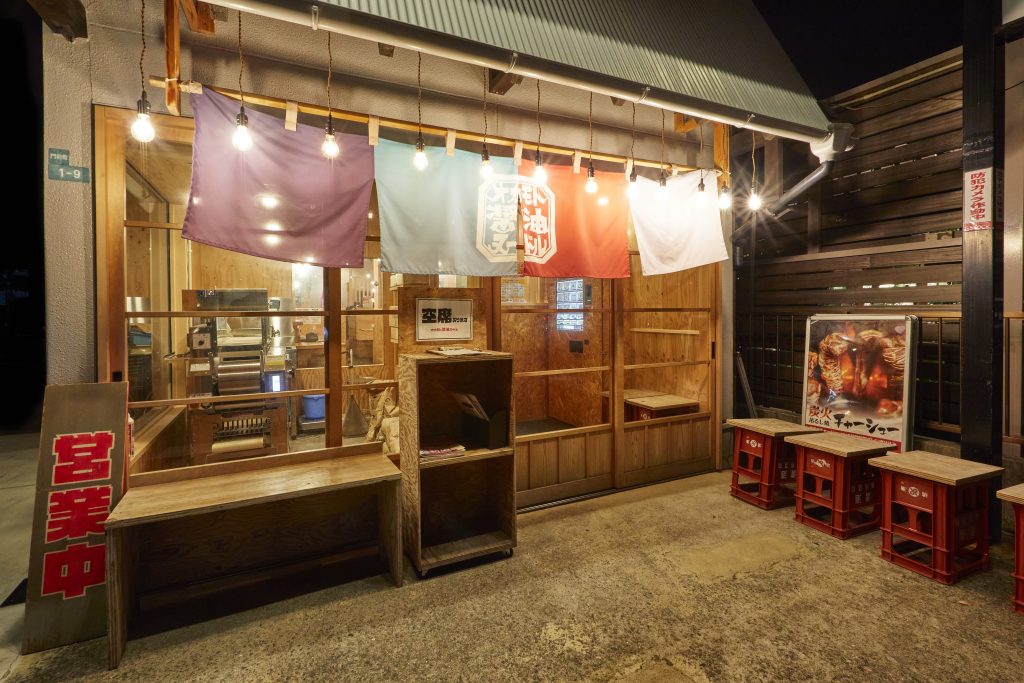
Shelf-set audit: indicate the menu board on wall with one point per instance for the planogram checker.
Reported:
(82, 453)
(859, 376)
(444, 319)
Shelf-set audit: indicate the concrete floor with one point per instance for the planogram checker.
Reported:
(18, 457)
(675, 582)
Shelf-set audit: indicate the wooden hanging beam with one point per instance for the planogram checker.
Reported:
(172, 55)
(500, 82)
(684, 124)
(198, 16)
(396, 124)
(64, 17)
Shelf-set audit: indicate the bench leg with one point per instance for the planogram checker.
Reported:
(390, 513)
(117, 620)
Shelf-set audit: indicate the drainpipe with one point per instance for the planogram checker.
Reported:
(379, 30)
(841, 140)
(778, 208)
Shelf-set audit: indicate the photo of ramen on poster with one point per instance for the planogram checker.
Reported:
(860, 374)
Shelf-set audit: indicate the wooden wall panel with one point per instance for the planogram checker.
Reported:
(543, 463)
(214, 268)
(525, 336)
(137, 262)
(599, 453)
(522, 466)
(572, 458)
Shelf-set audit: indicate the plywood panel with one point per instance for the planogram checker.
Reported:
(572, 458)
(543, 463)
(683, 446)
(693, 288)
(407, 316)
(525, 336)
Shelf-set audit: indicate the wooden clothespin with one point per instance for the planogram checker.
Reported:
(577, 158)
(373, 130)
(291, 115)
(517, 153)
(449, 142)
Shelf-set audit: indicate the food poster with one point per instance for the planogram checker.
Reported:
(860, 375)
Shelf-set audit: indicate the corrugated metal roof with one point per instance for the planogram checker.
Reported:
(720, 51)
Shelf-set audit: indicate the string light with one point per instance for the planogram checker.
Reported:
(754, 200)
(242, 140)
(486, 171)
(701, 198)
(142, 126)
(330, 148)
(724, 199)
(591, 184)
(419, 160)
(540, 176)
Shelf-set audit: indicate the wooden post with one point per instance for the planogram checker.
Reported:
(982, 300)
(334, 357)
(813, 213)
(615, 395)
(172, 56)
(719, 360)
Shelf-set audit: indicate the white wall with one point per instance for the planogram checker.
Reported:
(284, 61)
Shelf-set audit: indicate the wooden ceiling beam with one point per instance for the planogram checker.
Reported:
(198, 16)
(64, 17)
(500, 82)
(172, 55)
(684, 124)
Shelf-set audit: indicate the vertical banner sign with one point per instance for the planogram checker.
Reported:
(82, 452)
(983, 199)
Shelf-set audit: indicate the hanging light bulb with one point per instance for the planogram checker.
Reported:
(142, 126)
(701, 198)
(540, 175)
(242, 139)
(419, 160)
(330, 148)
(631, 188)
(591, 186)
(724, 199)
(486, 170)
(754, 200)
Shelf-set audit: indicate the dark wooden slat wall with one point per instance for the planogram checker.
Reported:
(885, 236)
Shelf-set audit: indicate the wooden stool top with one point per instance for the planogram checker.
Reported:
(844, 445)
(769, 426)
(943, 469)
(1013, 494)
(662, 402)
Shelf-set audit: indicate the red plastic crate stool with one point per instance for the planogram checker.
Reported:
(1015, 496)
(836, 490)
(935, 513)
(763, 465)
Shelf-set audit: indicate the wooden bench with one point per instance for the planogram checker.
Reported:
(1015, 497)
(763, 465)
(935, 513)
(836, 491)
(166, 497)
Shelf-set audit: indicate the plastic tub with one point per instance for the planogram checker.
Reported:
(313, 406)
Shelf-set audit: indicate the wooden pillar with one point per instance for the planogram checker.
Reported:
(172, 56)
(334, 357)
(982, 299)
(615, 392)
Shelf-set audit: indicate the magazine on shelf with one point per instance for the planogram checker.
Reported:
(437, 452)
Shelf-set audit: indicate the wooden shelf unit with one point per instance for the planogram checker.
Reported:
(464, 506)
